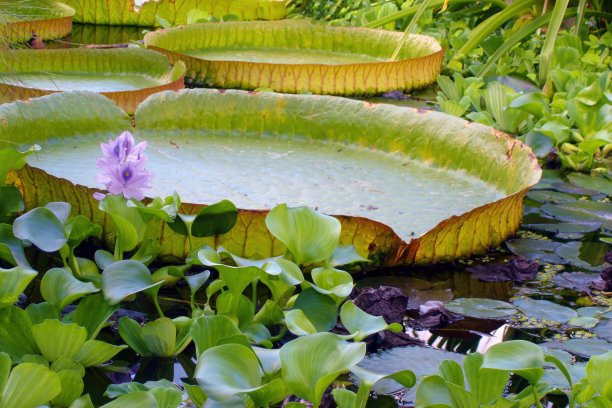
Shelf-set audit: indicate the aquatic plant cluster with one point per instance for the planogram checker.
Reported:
(255, 324)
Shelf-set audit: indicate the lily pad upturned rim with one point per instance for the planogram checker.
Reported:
(76, 60)
(125, 12)
(508, 163)
(57, 23)
(364, 78)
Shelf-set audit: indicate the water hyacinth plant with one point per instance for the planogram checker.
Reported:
(122, 168)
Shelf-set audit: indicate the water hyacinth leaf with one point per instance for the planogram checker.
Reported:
(309, 236)
(237, 278)
(128, 221)
(124, 278)
(598, 371)
(600, 183)
(56, 339)
(27, 377)
(368, 379)
(104, 258)
(308, 378)
(433, 391)
(195, 394)
(227, 370)
(345, 255)
(41, 227)
(344, 398)
(321, 310)
(298, 323)
(500, 188)
(72, 388)
(12, 283)
(165, 209)
(10, 200)
(544, 310)
(132, 333)
(236, 307)
(269, 314)
(160, 337)
(452, 372)
(61, 210)
(332, 281)
(480, 307)
(5, 368)
(11, 248)
(79, 228)
(269, 359)
(518, 356)
(291, 274)
(215, 219)
(92, 313)
(168, 397)
(169, 275)
(207, 331)
(361, 324)
(60, 288)
(138, 399)
(581, 211)
(82, 402)
(183, 337)
(11, 159)
(94, 352)
(485, 385)
(39, 312)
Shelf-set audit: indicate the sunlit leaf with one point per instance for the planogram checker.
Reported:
(60, 288)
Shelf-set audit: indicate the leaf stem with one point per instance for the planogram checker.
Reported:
(535, 396)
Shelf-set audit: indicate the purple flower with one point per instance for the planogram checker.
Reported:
(123, 168)
(128, 179)
(120, 150)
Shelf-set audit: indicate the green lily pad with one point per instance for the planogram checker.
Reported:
(582, 211)
(587, 347)
(297, 55)
(544, 310)
(126, 75)
(600, 183)
(604, 330)
(48, 19)
(538, 250)
(314, 142)
(480, 307)
(547, 196)
(565, 227)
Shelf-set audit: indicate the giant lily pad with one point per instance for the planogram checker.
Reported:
(127, 76)
(293, 56)
(151, 13)
(408, 187)
(49, 19)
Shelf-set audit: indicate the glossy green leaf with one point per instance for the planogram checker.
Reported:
(139, 399)
(332, 281)
(16, 337)
(237, 307)
(160, 337)
(72, 388)
(345, 255)
(94, 352)
(195, 394)
(480, 307)
(56, 339)
(41, 227)
(10, 200)
(132, 333)
(368, 378)
(581, 211)
(309, 236)
(307, 377)
(23, 380)
(5, 369)
(361, 324)
(600, 183)
(128, 221)
(215, 219)
(207, 331)
(39, 312)
(344, 398)
(598, 371)
(298, 323)
(92, 313)
(227, 370)
(60, 288)
(320, 309)
(11, 159)
(12, 283)
(518, 356)
(433, 391)
(82, 402)
(485, 385)
(125, 278)
(11, 248)
(269, 314)
(79, 228)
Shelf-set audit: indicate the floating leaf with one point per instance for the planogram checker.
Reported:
(517, 356)
(319, 309)
(211, 58)
(538, 250)
(94, 352)
(56, 339)
(544, 310)
(208, 331)
(331, 124)
(586, 347)
(582, 211)
(49, 19)
(361, 324)
(600, 183)
(72, 388)
(480, 307)
(27, 377)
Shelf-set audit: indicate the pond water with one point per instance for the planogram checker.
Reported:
(259, 173)
(51, 81)
(281, 56)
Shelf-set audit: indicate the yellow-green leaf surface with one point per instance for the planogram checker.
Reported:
(148, 13)
(49, 19)
(292, 56)
(408, 186)
(127, 76)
